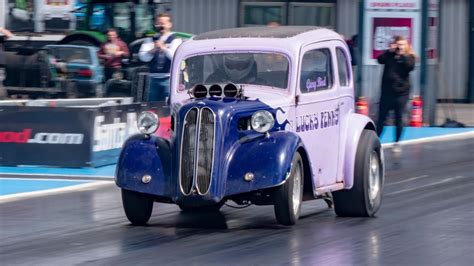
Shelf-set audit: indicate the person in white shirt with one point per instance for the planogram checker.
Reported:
(158, 51)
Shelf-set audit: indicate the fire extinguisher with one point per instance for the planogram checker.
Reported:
(416, 119)
(362, 106)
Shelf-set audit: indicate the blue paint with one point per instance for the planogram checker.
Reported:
(13, 186)
(412, 133)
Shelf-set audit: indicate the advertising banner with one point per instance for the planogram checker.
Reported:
(66, 136)
(382, 26)
(393, 4)
(45, 136)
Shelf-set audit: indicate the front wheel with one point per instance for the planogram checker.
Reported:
(288, 197)
(365, 197)
(137, 207)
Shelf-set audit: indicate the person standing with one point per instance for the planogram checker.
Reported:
(158, 51)
(112, 52)
(398, 62)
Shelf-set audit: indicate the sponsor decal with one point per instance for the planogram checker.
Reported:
(113, 135)
(25, 136)
(320, 82)
(315, 121)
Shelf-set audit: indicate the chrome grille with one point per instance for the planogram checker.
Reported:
(205, 150)
(197, 151)
(188, 151)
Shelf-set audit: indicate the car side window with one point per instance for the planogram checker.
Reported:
(316, 71)
(342, 67)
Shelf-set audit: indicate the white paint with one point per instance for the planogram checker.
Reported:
(27, 195)
(463, 135)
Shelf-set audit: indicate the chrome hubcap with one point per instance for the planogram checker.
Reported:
(297, 189)
(374, 177)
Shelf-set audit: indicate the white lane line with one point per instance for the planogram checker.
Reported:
(25, 195)
(406, 180)
(45, 179)
(425, 186)
(463, 135)
(85, 177)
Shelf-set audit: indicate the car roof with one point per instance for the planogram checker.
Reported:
(256, 32)
(289, 38)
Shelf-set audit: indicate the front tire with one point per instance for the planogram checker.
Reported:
(289, 196)
(137, 206)
(365, 197)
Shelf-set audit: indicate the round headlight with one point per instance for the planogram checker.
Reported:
(262, 121)
(148, 122)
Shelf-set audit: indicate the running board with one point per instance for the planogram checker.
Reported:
(321, 190)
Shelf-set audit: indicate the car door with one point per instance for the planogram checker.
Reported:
(318, 111)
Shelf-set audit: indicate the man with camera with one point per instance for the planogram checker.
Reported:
(158, 51)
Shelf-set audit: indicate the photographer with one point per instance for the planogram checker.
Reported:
(158, 52)
(399, 61)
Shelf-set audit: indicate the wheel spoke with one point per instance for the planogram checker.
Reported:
(297, 189)
(374, 177)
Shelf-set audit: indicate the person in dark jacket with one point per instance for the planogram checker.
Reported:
(399, 61)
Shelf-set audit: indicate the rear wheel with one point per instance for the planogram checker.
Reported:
(365, 197)
(137, 206)
(288, 197)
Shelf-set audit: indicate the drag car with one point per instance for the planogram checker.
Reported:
(260, 116)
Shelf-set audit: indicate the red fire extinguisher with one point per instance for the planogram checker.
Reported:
(362, 106)
(416, 118)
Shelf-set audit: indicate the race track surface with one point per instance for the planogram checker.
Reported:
(427, 218)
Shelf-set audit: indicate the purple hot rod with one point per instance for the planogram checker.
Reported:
(260, 116)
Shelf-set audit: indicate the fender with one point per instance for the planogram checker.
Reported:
(141, 156)
(267, 157)
(355, 124)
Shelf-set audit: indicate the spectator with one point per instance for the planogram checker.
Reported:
(112, 52)
(353, 49)
(399, 61)
(158, 51)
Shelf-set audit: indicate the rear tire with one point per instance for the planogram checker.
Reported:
(289, 196)
(137, 206)
(365, 196)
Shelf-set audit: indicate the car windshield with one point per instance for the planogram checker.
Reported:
(71, 55)
(267, 69)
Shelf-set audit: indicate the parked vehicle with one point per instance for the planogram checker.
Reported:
(79, 66)
(259, 116)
